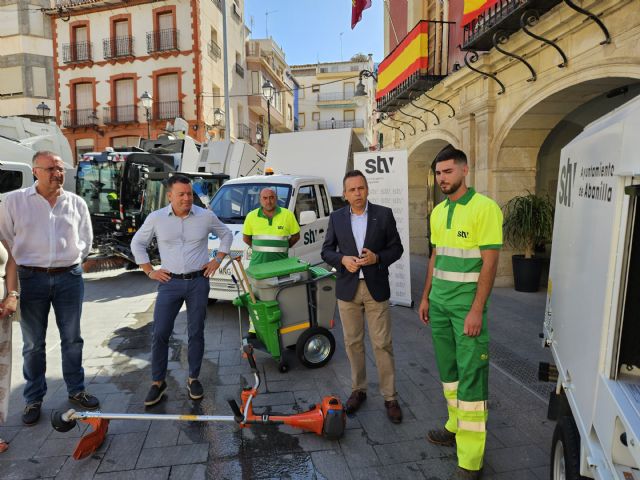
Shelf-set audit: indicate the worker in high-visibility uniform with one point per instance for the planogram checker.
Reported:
(270, 231)
(466, 231)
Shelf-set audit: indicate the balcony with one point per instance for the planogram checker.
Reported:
(214, 51)
(331, 99)
(239, 70)
(331, 124)
(166, 110)
(430, 39)
(79, 118)
(503, 15)
(76, 52)
(120, 114)
(243, 132)
(117, 47)
(162, 40)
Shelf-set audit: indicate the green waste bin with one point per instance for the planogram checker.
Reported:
(265, 316)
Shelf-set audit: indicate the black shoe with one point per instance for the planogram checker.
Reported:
(195, 389)
(356, 399)
(252, 335)
(442, 436)
(31, 413)
(85, 400)
(155, 394)
(464, 474)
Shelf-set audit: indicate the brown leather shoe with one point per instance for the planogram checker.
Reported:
(442, 436)
(393, 411)
(464, 474)
(356, 399)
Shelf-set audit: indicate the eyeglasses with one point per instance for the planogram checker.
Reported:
(51, 170)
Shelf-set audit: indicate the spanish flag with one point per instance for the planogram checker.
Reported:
(473, 8)
(410, 56)
(357, 6)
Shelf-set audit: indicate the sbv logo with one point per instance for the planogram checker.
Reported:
(378, 165)
(567, 177)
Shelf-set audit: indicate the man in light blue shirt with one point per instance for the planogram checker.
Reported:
(182, 232)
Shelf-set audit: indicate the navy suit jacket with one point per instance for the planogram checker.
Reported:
(382, 238)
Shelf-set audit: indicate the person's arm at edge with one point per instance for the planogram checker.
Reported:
(10, 302)
(85, 229)
(226, 239)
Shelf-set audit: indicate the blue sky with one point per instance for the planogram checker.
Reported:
(309, 30)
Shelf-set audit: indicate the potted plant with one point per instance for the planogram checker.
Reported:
(528, 222)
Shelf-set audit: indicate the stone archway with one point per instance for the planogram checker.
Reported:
(423, 194)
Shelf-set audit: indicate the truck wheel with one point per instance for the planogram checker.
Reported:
(315, 347)
(565, 451)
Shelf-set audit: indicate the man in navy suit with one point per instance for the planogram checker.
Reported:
(362, 242)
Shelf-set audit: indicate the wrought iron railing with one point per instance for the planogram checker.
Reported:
(214, 50)
(331, 124)
(85, 117)
(120, 114)
(333, 96)
(162, 40)
(167, 110)
(76, 52)
(116, 47)
(239, 70)
(243, 132)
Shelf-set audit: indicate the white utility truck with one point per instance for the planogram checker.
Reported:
(308, 170)
(592, 319)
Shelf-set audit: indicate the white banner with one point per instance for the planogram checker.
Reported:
(388, 178)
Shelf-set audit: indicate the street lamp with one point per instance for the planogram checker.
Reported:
(43, 110)
(267, 92)
(218, 117)
(361, 92)
(147, 101)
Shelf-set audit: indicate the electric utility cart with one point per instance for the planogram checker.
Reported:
(291, 305)
(592, 319)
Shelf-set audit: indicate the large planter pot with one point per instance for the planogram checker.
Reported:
(526, 272)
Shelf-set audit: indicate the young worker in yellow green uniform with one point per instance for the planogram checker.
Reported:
(466, 231)
(269, 230)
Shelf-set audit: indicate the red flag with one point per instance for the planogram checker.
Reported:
(357, 6)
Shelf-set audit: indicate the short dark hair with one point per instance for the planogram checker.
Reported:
(173, 179)
(354, 173)
(450, 153)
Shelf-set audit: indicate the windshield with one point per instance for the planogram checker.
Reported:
(98, 183)
(233, 201)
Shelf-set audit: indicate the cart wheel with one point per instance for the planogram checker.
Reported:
(59, 424)
(283, 367)
(315, 347)
(565, 451)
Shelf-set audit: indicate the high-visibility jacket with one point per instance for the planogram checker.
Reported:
(270, 236)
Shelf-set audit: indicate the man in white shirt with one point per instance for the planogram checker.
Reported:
(49, 233)
(182, 232)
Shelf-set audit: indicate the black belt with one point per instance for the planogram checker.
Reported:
(188, 276)
(50, 271)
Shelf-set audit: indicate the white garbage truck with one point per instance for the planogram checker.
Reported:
(592, 319)
(308, 168)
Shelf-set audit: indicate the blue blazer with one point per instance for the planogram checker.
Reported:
(382, 238)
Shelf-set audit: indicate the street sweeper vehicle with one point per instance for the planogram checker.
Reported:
(592, 318)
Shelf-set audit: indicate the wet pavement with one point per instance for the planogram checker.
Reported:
(116, 328)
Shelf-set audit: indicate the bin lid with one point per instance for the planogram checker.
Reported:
(277, 268)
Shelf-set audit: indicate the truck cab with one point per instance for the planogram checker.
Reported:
(306, 196)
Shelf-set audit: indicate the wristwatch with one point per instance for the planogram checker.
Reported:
(13, 293)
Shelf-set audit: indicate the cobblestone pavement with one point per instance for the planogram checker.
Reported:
(116, 330)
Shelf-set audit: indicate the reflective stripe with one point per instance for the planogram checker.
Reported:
(465, 277)
(450, 386)
(458, 252)
(270, 237)
(472, 426)
(260, 248)
(480, 406)
(452, 402)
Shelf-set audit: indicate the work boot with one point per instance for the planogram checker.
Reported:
(31, 413)
(85, 400)
(155, 394)
(356, 399)
(393, 411)
(196, 392)
(463, 474)
(442, 437)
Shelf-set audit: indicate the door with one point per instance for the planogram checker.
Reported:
(125, 102)
(312, 235)
(83, 114)
(123, 40)
(168, 105)
(166, 35)
(81, 44)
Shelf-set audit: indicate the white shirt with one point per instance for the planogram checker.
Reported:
(42, 236)
(182, 242)
(359, 229)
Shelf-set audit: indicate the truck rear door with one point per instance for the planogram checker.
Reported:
(313, 197)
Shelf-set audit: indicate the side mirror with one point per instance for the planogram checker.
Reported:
(307, 217)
